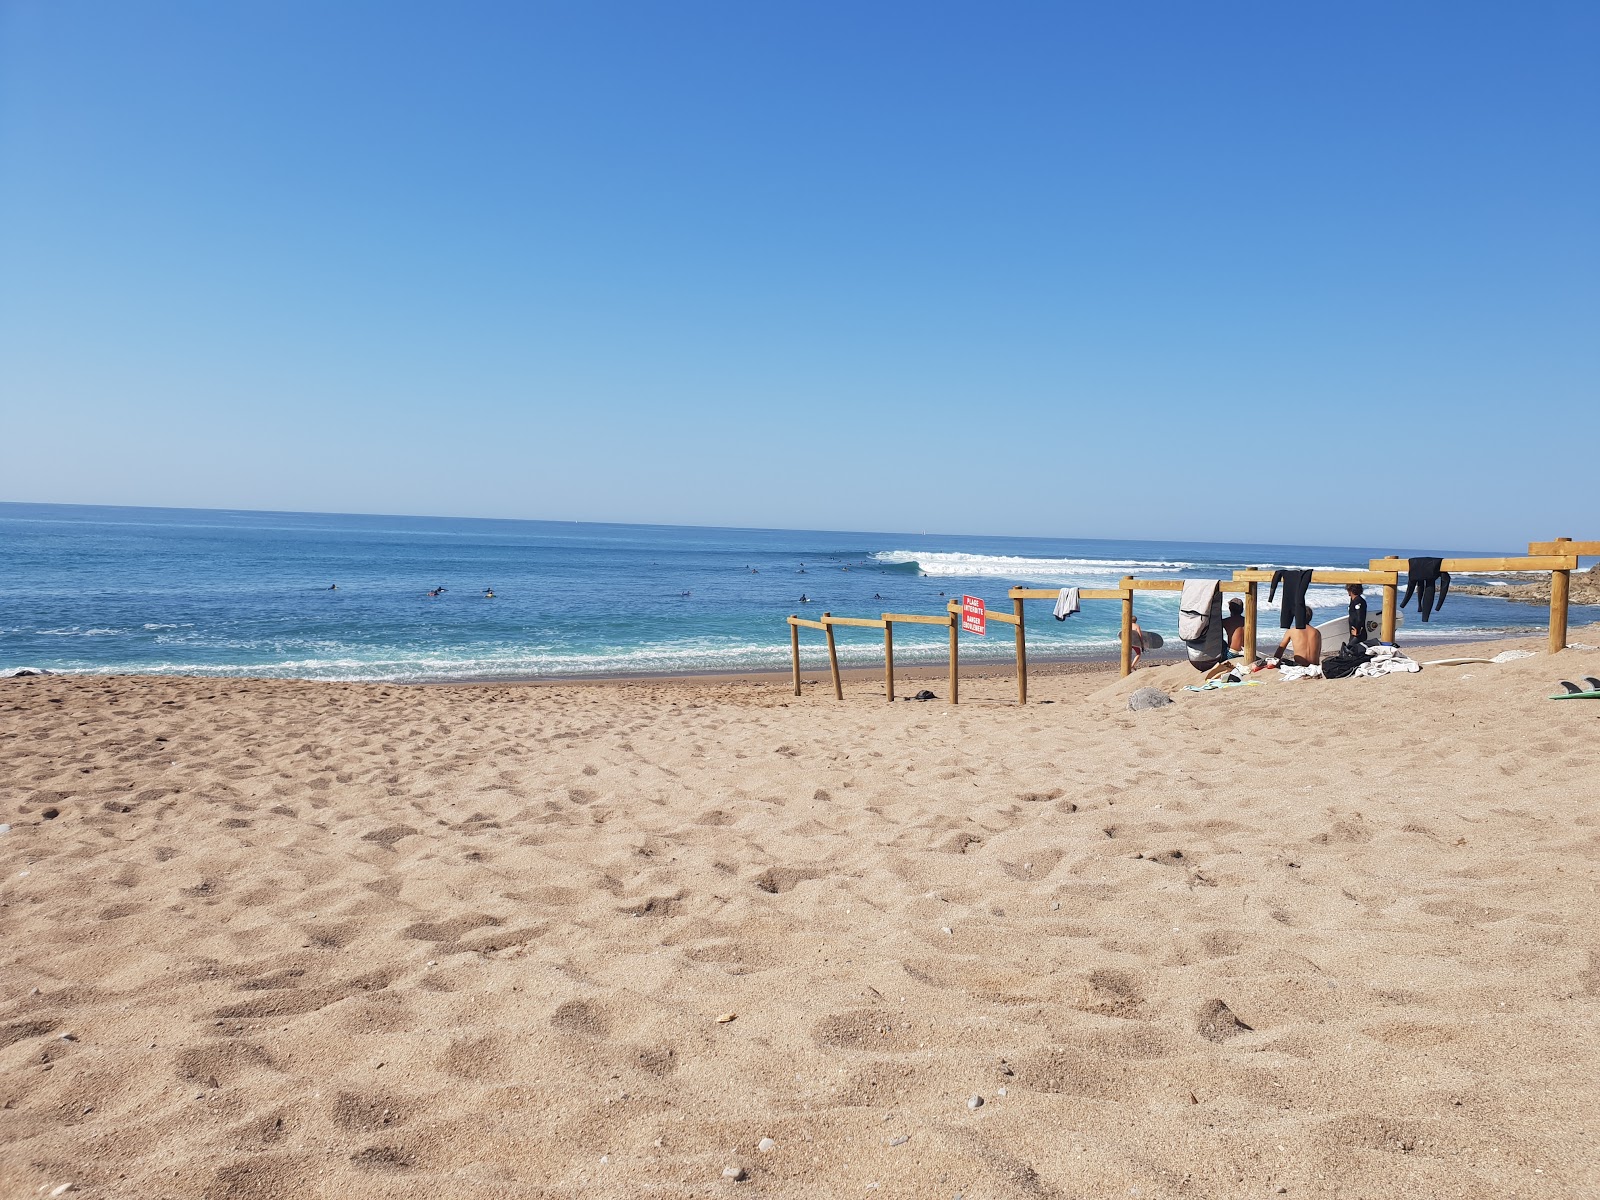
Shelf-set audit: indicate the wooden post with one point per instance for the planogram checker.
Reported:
(794, 653)
(1022, 655)
(1391, 598)
(1250, 601)
(833, 658)
(888, 660)
(1127, 627)
(955, 656)
(1560, 585)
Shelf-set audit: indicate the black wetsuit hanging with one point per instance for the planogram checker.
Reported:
(1423, 576)
(1295, 586)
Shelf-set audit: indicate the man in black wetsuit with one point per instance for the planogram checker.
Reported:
(1358, 613)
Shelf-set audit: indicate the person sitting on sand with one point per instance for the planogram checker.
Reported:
(1304, 646)
(1233, 627)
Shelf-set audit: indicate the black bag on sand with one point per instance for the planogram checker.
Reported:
(1343, 664)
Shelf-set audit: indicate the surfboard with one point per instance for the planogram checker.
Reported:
(1337, 631)
(1577, 696)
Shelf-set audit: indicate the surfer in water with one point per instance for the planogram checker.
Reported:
(804, 599)
(333, 587)
(488, 593)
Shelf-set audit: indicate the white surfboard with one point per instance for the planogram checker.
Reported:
(1337, 631)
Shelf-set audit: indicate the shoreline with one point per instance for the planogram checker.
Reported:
(1038, 667)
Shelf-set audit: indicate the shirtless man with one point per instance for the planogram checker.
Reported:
(1306, 645)
(1233, 625)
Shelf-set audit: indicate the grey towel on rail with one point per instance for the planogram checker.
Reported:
(1200, 622)
(1194, 608)
(1066, 603)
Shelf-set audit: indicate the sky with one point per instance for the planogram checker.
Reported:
(1317, 274)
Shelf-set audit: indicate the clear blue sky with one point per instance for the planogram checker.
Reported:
(1060, 268)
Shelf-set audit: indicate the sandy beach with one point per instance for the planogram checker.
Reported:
(1324, 938)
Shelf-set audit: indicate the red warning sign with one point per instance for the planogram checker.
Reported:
(973, 617)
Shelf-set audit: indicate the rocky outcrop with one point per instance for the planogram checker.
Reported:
(1584, 589)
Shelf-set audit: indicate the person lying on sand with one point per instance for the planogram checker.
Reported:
(1304, 646)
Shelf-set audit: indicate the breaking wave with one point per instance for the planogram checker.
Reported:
(1007, 566)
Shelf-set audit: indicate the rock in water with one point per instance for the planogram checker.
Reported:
(1217, 1022)
(1147, 698)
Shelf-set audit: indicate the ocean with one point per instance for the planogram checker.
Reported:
(219, 593)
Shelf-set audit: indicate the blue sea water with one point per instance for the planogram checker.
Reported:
(219, 593)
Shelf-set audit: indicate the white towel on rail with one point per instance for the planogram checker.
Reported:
(1066, 603)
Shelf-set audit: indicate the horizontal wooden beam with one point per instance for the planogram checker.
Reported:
(1587, 549)
(864, 622)
(1176, 585)
(1376, 577)
(806, 623)
(914, 619)
(1540, 562)
(1022, 593)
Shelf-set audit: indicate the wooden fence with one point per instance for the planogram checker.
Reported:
(1559, 557)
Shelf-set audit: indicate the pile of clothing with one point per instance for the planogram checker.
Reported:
(1362, 660)
(1311, 672)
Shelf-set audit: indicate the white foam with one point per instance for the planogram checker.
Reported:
(1007, 566)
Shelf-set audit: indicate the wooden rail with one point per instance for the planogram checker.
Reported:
(1255, 576)
(1559, 557)
(1019, 594)
(886, 623)
(1560, 565)
(1565, 546)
